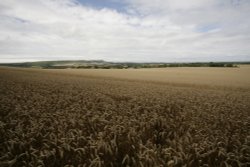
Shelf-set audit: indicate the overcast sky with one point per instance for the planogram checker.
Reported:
(125, 30)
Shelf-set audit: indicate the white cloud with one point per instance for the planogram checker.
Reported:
(161, 30)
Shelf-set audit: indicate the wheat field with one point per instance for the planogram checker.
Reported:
(173, 117)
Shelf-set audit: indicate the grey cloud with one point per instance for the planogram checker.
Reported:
(165, 30)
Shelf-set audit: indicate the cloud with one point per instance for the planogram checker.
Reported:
(161, 30)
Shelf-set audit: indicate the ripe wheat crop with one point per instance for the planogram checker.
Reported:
(57, 119)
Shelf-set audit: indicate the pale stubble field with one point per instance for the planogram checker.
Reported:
(236, 77)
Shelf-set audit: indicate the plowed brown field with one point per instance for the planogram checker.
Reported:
(146, 117)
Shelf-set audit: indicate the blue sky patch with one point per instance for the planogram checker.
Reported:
(208, 28)
(100, 4)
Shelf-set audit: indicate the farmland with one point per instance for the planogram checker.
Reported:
(125, 117)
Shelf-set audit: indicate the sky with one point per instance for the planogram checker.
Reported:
(125, 30)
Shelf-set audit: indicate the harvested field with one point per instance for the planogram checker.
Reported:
(141, 118)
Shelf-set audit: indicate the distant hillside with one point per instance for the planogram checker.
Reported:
(55, 64)
(95, 64)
